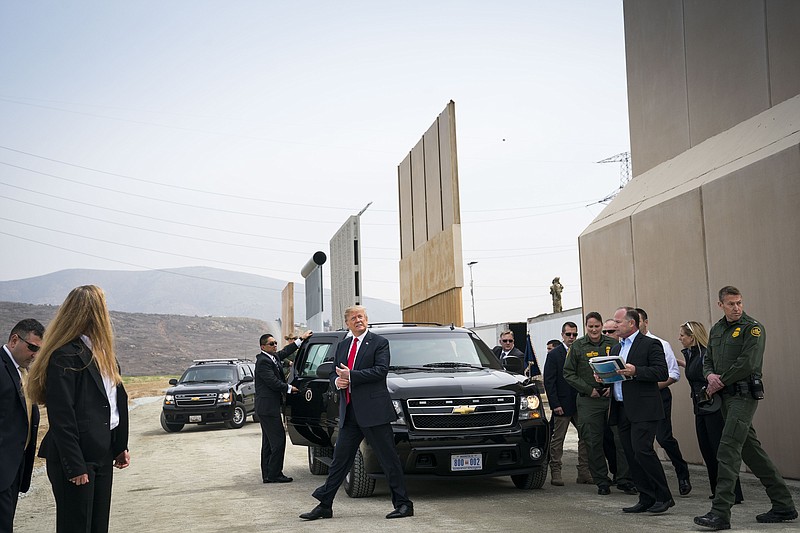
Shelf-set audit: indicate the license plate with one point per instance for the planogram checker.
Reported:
(195, 418)
(467, 461)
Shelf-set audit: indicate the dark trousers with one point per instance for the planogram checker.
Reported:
(709, 433)
(610, 450)
(667, 441)
(273, 446)
(645, 467)
(8, 504)
(381, 440)
(81, 508)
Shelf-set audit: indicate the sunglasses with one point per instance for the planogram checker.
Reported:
(506, 340)
(570, 334)
(609, 331)
(31, 347)
(689, 327)
(273, 343)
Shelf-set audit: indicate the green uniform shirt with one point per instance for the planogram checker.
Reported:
(735, 350)
(577, 370)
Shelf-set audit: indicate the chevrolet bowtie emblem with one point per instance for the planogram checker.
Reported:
(463, 410)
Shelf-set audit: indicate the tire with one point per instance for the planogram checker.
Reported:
(357, 483)
(315, 466)
(534, 480)
(169, 428)
(238, 418)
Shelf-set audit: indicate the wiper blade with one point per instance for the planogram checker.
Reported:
(450, 364)
(405, 367)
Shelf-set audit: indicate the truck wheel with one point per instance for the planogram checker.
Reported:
(317, 467)
(534, 480)
(169, 428)
(238, 418)
(357, 483)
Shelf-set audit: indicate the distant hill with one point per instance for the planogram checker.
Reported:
(150, 344)
(191, 291)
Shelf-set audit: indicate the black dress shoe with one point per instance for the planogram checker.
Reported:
(627, 488)
(638, 508)
(712, 521)
(603, 490)
(660, 507)
(773, 517)
(279, 479)
(318, 512)
(403, 510)
(684, 486)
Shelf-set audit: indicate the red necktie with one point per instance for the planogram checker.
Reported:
(351, 359)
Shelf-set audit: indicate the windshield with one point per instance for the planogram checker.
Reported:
(450, 349)
(209, 374)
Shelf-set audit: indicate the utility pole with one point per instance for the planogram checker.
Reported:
(472, 290)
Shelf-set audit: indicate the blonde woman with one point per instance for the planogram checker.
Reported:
(77, 377)
(708, 423)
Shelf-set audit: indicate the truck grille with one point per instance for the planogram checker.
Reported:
(203, 399)
(478, 412)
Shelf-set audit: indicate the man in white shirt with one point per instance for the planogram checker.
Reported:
(664, 435)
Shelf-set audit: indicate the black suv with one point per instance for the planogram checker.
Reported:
(211, 390)
(460, 414)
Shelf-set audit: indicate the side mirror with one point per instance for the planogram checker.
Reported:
(324, 370)
(173, 381)
(513, 364)
(247, 378)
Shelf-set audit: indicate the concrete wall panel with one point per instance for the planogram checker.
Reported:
(726, 64)
(406, 207)
(448, 162)
(657, 103)
(418, 195)
(783, 39)
(433, 180)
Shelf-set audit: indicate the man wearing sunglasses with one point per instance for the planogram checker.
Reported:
(19, 419)
(507, 348)
(271, 387)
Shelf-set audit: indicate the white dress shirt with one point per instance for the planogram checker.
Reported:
(672, 363)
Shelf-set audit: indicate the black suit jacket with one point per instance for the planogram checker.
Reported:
(14, 457)
(270, 382)
(498, 351)
(559, 392)
(369, 395)
(78, 411)
(640, 395)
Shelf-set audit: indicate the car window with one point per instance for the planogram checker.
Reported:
(247, 370)
(315, 356)
(419, 350)
(201, 374)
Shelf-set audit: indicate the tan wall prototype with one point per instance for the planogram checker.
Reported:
(699, 67)
(714, 113)
(287, 311)
(431, 264)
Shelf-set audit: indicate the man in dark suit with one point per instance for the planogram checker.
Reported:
(506, 348)
(271, 387)
(19, 418)
(637, 408)
(562, 398)
(365, 411)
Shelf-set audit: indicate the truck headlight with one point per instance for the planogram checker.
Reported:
(224, 397)
(398, 408)
(169, 399)
(529, 407)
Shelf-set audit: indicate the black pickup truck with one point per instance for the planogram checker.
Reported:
(460, 414)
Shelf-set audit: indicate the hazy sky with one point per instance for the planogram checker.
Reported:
(241, 135)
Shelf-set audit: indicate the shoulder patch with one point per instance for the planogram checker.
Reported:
(755, 332)
(736, 332)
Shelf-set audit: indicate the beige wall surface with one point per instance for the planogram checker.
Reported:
(287, 310)
(606, 258)
(431, 263)
(698, 67)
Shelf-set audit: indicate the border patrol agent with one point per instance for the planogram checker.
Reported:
(733, 369)
(593, 403)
